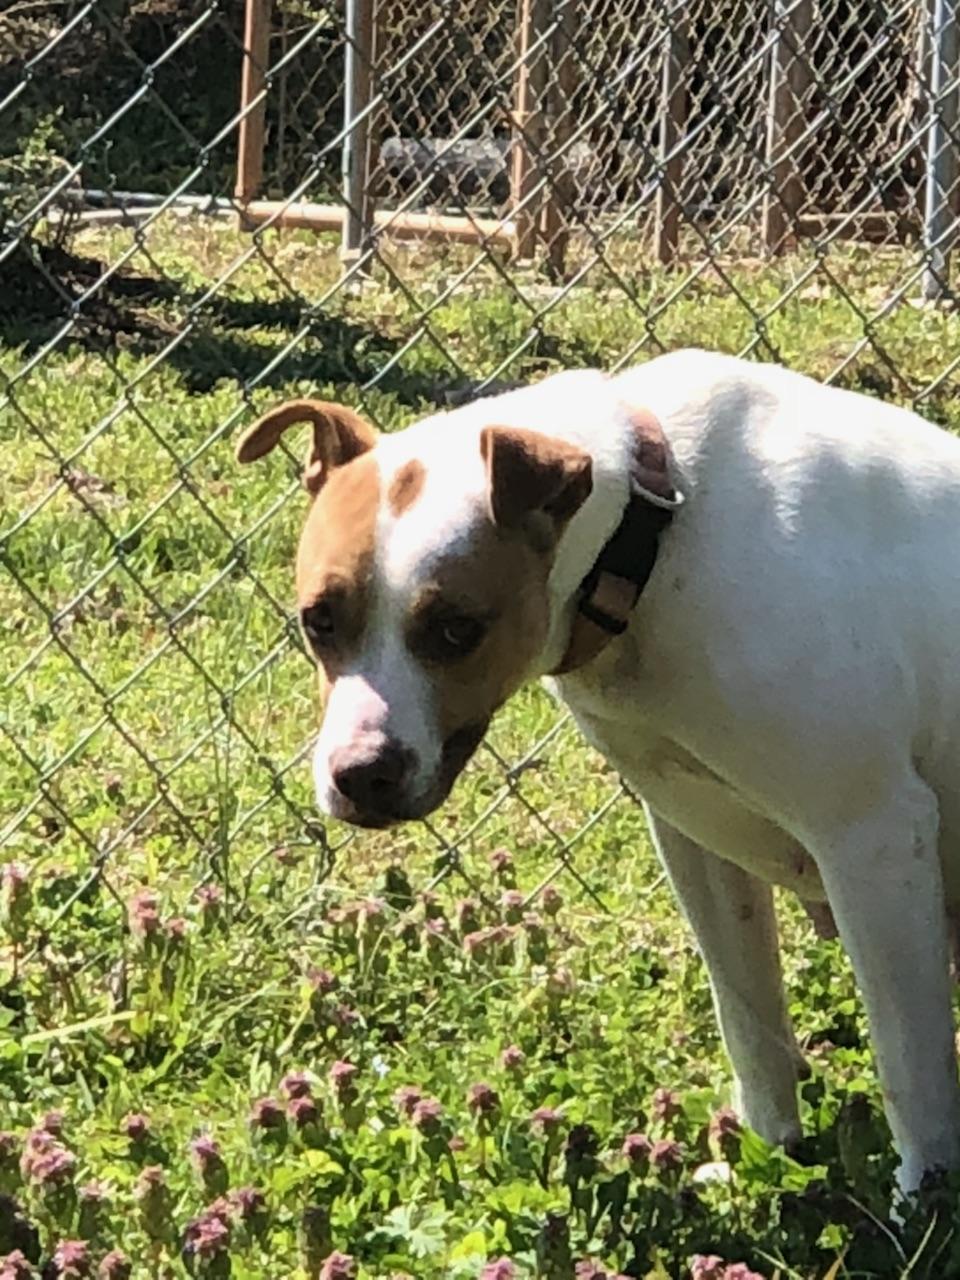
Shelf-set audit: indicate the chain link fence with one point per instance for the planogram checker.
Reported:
(515, 187)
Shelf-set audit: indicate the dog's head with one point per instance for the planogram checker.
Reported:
(423, 583)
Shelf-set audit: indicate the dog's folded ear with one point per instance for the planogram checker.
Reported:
(529, 473)
(339, 435)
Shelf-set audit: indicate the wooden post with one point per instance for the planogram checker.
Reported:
(561, 88)
(256, 52)
(789, 81)
(673, 121)
(533, 16)
(358, 83)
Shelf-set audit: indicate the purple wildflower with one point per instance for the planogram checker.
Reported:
(546, 1120)
(338, 1266)
(501, 1269)
(295, 1084)
(483, 1099)
(474, 944)
(266, 1113)
(501, 864)
(426, 1115)
(142, 915)
(210, 1164)
(15, 1267)
(15, 899)
(205, 1149)
(512, 1058)
(590, 1269)
(155, 1202)
(14, 876)
(467, 915)
(152, 1177)
(72, 1259)
(456, 1143)
(551, 899)
(94, 1202)
(136, 1126)
(208, 1236)
(706, 1266)
(115, 1266)
(322, 980)
(176, 929)
(665, 1105)
(303, 1111)
(53, 1123)
(210, 901)
(538, 943)
(345, 1017)
(560, 982)
(724, 1134)
(666, 1156)
(406, 1099)
(636, 1149)
(740, 1271)
(511, 904)
(47, 1165)
(432, 909)
(247, 1202)
(724, 1123)
(482, 944)
(341, 1077)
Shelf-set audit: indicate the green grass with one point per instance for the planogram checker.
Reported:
(157, 707)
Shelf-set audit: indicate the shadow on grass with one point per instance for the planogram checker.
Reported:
(142, 315)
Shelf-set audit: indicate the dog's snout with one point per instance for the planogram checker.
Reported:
(372, 775)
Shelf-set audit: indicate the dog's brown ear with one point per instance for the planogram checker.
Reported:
(339, 435)
(528, 472)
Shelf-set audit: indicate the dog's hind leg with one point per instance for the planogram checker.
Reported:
(884, 883)
(731, 914)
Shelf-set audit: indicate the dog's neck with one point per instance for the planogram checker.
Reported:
(588, 532)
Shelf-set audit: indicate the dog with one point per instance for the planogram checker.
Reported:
(745, 586)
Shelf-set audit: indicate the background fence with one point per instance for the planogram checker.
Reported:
(514, 186)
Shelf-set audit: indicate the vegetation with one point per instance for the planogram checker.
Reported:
(235, 1041)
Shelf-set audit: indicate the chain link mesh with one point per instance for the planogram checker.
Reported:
(157, 704)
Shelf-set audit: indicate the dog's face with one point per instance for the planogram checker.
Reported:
(422, 577)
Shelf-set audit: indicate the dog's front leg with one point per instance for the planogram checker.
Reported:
(731, 914)
(883, 880)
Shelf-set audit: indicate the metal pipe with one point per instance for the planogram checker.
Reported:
(940, 222)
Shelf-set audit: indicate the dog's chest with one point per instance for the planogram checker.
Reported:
(688, 794)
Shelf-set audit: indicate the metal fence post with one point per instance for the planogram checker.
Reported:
(358, 80)
(789, 80)
(673, 119)
(256, 52)
(940, 218)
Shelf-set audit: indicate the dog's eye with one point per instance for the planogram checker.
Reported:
(318, 624)
(459, 636)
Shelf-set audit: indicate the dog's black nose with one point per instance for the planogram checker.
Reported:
(372, 775)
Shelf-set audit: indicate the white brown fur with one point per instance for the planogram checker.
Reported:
(786, 699)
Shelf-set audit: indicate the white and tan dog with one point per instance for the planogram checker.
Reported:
(785, 696)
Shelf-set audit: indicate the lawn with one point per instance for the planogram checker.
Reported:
(235, 1040)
